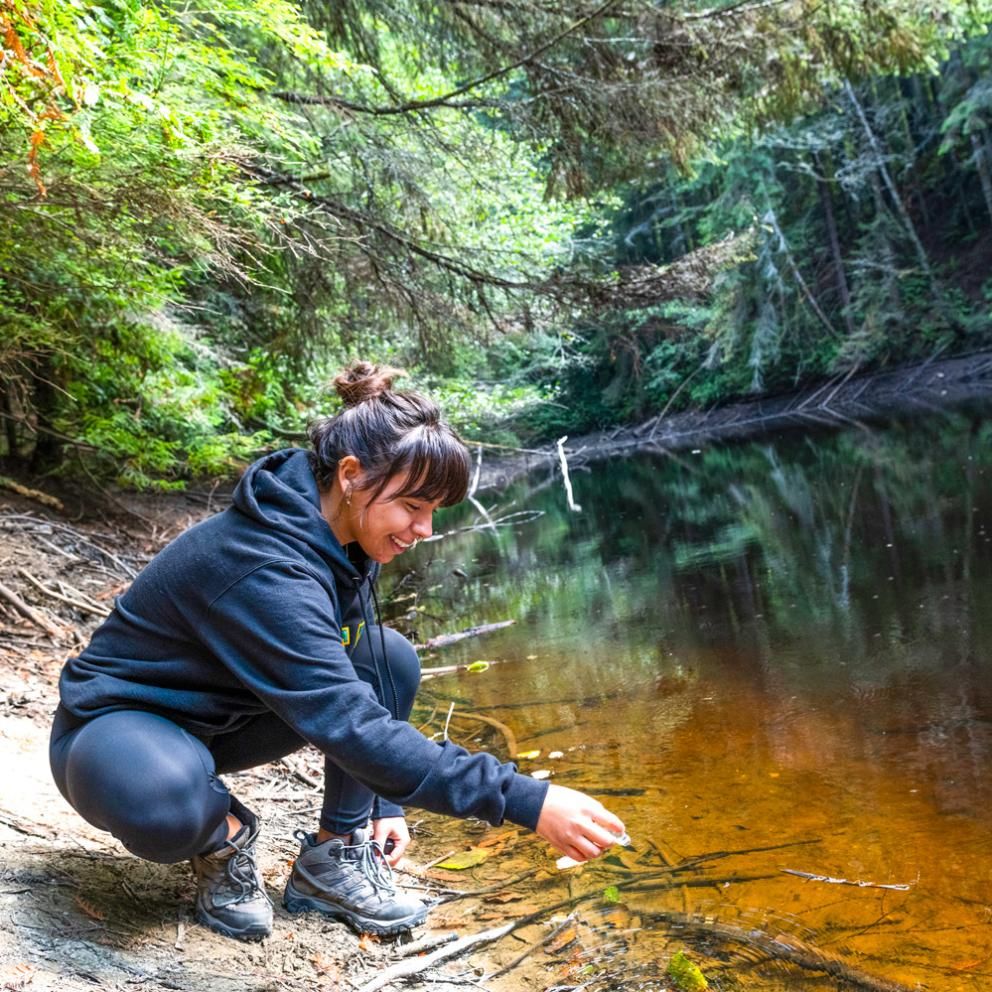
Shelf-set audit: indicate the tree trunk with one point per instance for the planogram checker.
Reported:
(981, 149)
(888, 251)
(907, 221)
(9, 421)
(840, 277)
(807, 293)
(47, 449)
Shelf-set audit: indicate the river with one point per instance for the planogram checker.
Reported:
(786, 641)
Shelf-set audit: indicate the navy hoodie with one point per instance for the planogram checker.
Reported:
(243, 614)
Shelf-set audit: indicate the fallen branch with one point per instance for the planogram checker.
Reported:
(407, 968)
(802, 955)
(38, 619)
(847, 881)
(470, 495)
(507, 520)
(443, 640)
(508, 735)
(489, 889)
(95, 611)
(428, 943)
(301, 775)
(527, 952)
(469, 666)
(36, 494)
(572, 505)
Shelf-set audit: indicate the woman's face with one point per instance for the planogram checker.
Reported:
(390, 524)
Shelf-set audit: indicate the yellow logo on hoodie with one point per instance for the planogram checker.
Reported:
(346, 634)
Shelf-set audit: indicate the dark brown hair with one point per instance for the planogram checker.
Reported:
(391, 433)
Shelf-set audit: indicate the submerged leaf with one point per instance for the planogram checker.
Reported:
(611, 895)
(528, 755)
(464, 859)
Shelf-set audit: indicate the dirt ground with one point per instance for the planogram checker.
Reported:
(78, 912)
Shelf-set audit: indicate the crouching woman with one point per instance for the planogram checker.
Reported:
(253, 634)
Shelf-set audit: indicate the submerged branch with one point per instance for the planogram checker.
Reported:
(443, 640)
(803, 955)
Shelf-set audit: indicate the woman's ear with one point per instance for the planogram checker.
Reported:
(348, 475)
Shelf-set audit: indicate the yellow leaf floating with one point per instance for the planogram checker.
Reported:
(479, 666)
(528, 755)
(464, 859)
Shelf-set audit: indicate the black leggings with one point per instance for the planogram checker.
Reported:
(154, 785)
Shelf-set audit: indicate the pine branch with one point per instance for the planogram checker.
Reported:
(445, 100)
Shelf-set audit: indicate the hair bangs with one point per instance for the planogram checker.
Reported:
(436, 467)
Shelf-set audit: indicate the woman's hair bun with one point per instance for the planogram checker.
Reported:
(363, 381)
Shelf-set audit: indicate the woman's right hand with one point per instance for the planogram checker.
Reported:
(576, 824)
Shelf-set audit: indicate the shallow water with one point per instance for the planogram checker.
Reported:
(758, 644)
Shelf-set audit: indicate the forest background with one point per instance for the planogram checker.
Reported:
(558, 216)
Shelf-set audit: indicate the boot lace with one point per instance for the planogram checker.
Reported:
(244, 881)
(373, 865)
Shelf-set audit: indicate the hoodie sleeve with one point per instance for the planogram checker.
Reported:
(276, 631)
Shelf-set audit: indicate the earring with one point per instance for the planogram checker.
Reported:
(347, 496)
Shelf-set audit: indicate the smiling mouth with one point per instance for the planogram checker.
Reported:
(400, 544)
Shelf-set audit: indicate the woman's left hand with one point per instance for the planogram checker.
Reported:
(392, 828)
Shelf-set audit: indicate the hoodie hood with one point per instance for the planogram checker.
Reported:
(280, 491)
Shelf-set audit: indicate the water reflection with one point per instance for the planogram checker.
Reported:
(765, 642)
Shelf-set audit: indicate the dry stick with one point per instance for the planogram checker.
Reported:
(80, 596)
(404, 969)
(428, 943)
(847, 881)
(429, 720)
(436, 861)
(572, 505)
(36, 494)
(29, 612)
(302, 776)
(431, 673)
(489, 889)
(443, 640)
(508, 735)
(84, 607)
(470, 495)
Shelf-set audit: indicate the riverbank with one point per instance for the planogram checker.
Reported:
(845, 400)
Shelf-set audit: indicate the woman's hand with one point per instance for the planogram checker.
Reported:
(392, 828)
(576, 824)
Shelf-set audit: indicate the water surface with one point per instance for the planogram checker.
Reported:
(755, 644)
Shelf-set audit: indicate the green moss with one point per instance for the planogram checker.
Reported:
(686, 975)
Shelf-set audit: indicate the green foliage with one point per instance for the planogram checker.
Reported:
(686, 974)
(207, 210)
(869, 226)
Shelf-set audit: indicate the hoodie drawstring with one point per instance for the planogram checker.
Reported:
(382, 644)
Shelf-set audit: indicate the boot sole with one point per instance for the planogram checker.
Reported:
(252, 932)
(297, 903)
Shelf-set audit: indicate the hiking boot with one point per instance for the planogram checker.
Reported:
(230, 896)
(351, 882)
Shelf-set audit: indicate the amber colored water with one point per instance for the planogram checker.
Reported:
(774, 642)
